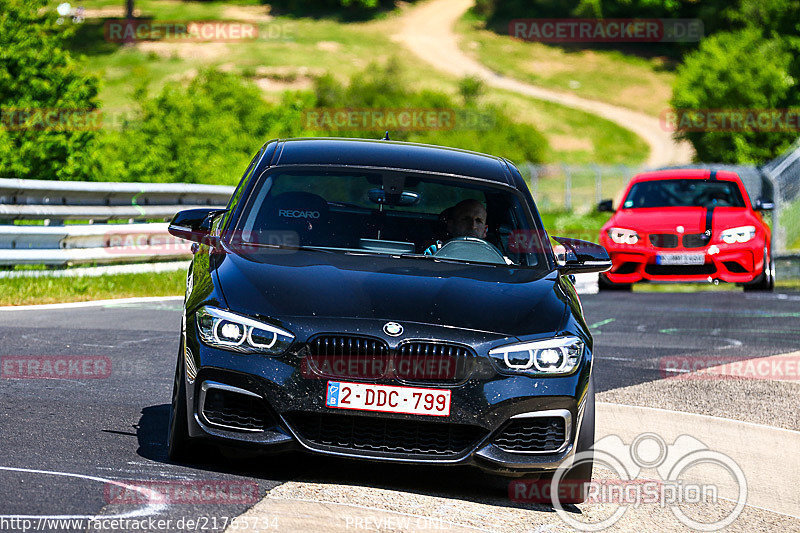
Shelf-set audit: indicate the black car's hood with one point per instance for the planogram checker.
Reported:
(284, 284)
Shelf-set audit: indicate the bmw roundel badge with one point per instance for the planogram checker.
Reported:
(393, 329)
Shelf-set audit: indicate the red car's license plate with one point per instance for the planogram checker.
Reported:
(680, 259)
(388, 399)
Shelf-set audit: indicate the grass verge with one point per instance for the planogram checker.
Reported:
(292, 51)
(606, 75)
(791, 285)
(576, 226)
(31, 291)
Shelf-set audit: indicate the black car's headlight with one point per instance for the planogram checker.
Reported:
(230, 331)
(561, 355)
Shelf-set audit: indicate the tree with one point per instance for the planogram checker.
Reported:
(738, 71)
(48, 102)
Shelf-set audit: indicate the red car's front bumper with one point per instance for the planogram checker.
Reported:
(733, 263)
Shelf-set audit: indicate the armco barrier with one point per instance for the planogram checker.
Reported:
(50, 242)
(40, 199)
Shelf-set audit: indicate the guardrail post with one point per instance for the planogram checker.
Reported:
(567, 187)
(533, 171)
(778, 232)
(598, 183)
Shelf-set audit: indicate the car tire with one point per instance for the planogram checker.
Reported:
(605, 285)
(765, 282)
(181, 448)
(574, 488)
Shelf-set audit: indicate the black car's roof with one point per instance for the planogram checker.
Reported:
(390, 154)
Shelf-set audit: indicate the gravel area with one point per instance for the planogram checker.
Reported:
(773, 403)
(333, 508)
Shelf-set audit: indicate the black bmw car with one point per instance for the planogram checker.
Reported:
(385, 301)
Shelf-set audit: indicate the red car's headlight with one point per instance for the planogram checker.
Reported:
(740, 234)
(623, 236)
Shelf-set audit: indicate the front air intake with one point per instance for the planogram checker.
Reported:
(535, 434)
(233, 408)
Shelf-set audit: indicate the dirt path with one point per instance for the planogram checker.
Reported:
(427, 30)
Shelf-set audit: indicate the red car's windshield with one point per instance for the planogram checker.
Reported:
(684, 193)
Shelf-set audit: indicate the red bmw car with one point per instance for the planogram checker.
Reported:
(687, 225)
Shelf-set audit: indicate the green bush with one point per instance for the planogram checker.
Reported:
(482, 128)
(206, 132)
(37, 77)
(203, 133)
(741, 70)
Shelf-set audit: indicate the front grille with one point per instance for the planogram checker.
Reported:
(681, 270)
(235, 410)
(536, 434)
(347, 357)
(340, 356)
(664, 240)
(695, 240)
(346, 345)
(430, 362)
(385, 435)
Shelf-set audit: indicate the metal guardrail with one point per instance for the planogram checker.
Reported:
(77, 200)
(783, 173)
(51, 242)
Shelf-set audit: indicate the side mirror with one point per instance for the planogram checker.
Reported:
(764, 205)
(606, 206)
(583, 256)
(194, 225)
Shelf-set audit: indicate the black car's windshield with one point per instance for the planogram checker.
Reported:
(393, 213)
(684, 193)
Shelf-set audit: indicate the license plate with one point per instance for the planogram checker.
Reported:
(680, 259)
(388, 399)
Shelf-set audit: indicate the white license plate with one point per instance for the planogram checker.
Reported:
(388, 399)
(680, 259)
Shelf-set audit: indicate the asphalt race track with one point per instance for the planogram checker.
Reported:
(115, 428)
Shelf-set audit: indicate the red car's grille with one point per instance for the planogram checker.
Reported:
(664, 240)
(695, 240)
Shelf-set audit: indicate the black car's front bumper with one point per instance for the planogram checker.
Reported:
(278, 405)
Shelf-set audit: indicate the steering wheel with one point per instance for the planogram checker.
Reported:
(470, 249)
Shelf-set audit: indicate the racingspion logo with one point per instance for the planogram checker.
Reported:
(297, 213)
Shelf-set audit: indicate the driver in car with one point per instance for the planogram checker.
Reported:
(465, 219)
